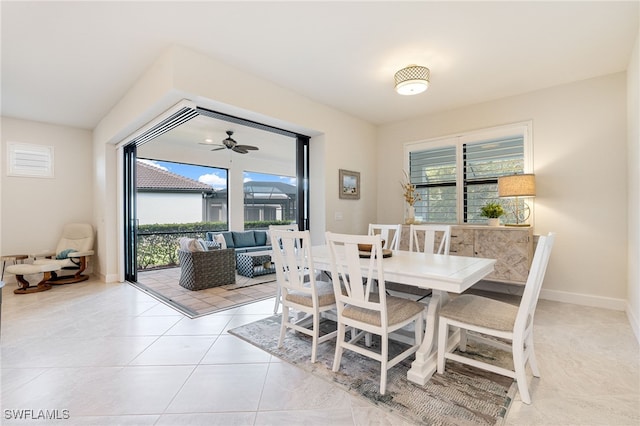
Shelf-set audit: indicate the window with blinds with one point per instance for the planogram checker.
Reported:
(433, 171)
(484, 162)
(458, 175)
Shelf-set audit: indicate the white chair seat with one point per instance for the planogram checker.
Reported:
(399, 310)
(481, 312)
(324, 290)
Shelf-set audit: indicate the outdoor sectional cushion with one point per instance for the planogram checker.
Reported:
(244, 241)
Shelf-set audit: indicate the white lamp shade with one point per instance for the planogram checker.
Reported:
(412, 80)
(523, 185)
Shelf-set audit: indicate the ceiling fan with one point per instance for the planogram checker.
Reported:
(230, 143)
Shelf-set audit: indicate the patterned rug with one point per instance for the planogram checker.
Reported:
(462, 396)
(163, 285)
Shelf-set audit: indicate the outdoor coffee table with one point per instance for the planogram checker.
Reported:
(255, 263)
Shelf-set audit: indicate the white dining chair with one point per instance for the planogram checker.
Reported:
(288, 227)
(427, 234)
(300, 290)
(390, 234)
(499, 319)
(365, 311)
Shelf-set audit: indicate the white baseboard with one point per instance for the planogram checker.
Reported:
(584, 299)
(110, 278)
(635, 322)
(557, 296)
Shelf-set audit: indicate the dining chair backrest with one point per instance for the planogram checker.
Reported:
(533, 285)
(291, 255)
(288, 227)
(390, 234)
(429, 233)
(351, 285)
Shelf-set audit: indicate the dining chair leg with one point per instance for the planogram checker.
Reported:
(383, 365)
(283, 324)
(520, 370)
(340, 337)
(316, 336)
(277, 304)
(533, 362)
(463, 340)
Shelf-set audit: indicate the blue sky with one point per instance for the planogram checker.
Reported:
(217, 178)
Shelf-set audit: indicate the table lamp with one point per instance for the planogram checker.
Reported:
(519, 185)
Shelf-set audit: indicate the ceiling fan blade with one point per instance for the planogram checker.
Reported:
(247, 147)
(218, 149)
(239, 149)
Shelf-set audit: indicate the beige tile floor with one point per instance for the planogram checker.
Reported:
(112, 355)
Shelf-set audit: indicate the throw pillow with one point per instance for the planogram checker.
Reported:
(64, 254)
(203, 244)
(260, 237)
(219, 238)
(194, 245)
(212, 245)
(244, 239)
(183, 243)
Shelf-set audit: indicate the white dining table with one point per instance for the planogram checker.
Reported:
(442, 274)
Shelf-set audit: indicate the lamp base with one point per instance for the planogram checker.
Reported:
(519, 225)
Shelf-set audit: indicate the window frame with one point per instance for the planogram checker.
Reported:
(458, 140)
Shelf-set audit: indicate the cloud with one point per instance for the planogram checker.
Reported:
(214, 180)
(154, 164)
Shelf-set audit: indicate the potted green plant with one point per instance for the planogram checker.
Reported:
(492, 211)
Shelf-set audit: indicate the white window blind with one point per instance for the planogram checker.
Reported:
(434, 171)
(484, 162)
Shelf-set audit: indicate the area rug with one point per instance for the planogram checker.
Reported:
(163, 285)
(462, 396)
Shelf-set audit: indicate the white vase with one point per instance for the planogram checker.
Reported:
(493, 221)
(411, 215)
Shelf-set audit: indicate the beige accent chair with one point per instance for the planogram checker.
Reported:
(71, 254)
(390, 234)
(365, 311)
(499, 319)
(300, 290)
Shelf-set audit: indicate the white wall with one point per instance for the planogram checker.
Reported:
(338, 140)
(633, 191)
(34, 210)
(158, 207)
(580, 161)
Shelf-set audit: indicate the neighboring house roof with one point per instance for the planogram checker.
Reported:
(152, 178)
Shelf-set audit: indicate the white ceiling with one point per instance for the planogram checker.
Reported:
(70, 62)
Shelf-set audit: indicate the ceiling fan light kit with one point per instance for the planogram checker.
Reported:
(412, 80)
(230, 143)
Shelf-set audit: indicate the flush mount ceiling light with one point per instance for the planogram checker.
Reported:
(412, 80)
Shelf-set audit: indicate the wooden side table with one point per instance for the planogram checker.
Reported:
(15, 258)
